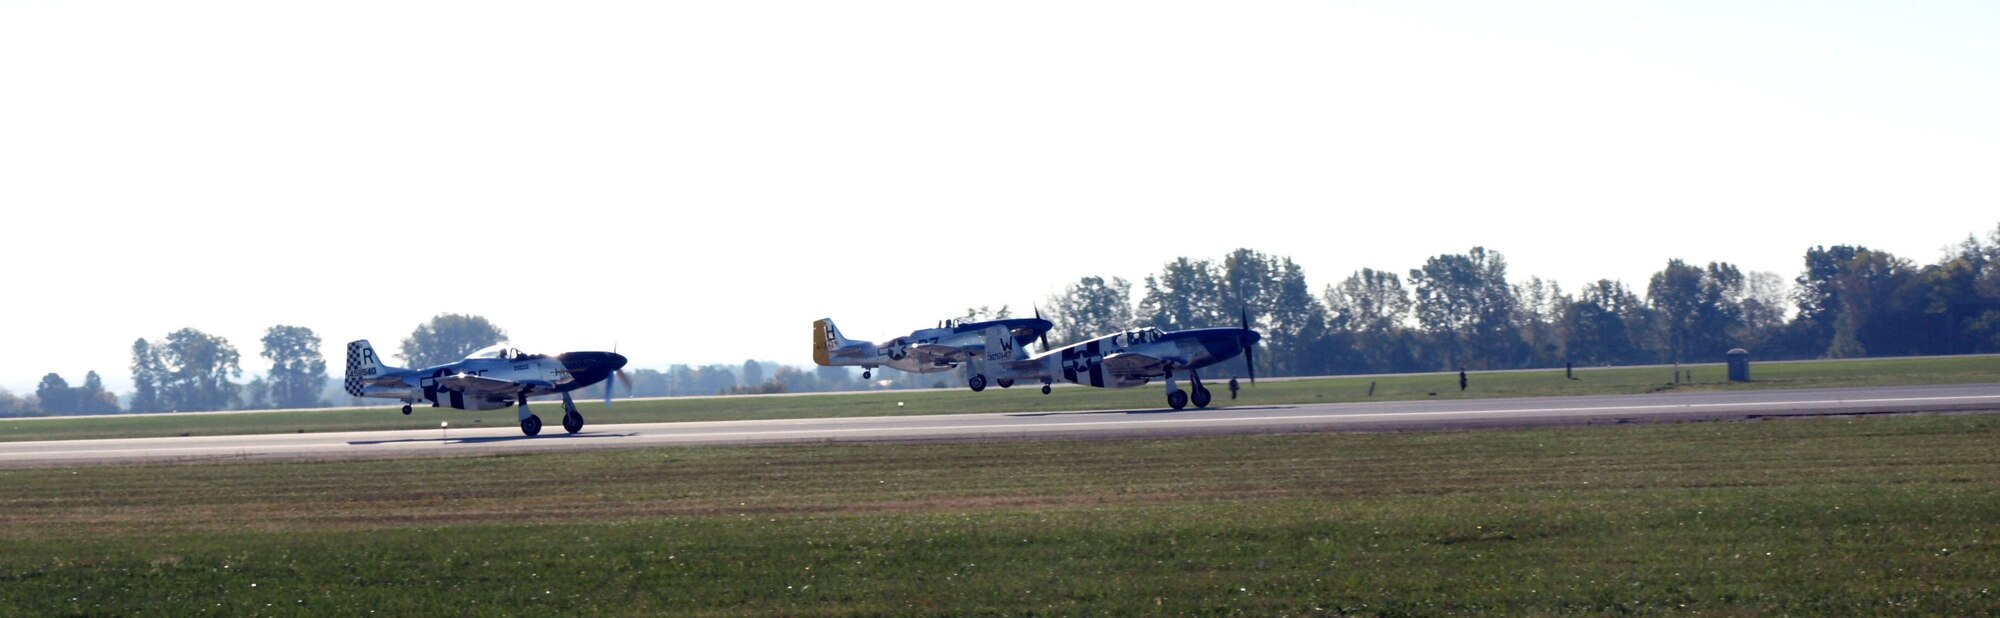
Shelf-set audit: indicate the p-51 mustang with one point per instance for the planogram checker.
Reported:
(928, 350)
(489, 379)
(1132, 358)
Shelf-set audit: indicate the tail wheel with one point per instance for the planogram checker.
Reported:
(978, 382)
(1177, 399)
(866, 374)
(531, 425)
(406, 409)
(1045, 389)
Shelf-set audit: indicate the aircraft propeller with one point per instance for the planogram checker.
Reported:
(1045, 334)
(622, 379)
(1246, 341)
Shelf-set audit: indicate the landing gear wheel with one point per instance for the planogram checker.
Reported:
(1177, 399)
(531, 425)
(1200, 397)
(866, 374)
(1004, 383)
(572, 423)
(406, 409)
(1045, 389)
(978, 382)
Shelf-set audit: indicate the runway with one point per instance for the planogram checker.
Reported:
(1246, 417)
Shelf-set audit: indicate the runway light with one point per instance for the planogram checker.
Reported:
(899, 404)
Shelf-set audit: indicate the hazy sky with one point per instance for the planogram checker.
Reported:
(697, 181)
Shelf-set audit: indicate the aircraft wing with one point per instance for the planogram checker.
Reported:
(482, 386)
(1139, 365)
(935, 354)
(1044, 366)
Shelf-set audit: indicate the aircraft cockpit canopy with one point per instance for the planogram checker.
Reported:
(951, 323)
(1143, 335)
(500, 351)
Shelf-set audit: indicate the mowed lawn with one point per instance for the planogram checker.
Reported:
(1028, 398)
(1830, 516)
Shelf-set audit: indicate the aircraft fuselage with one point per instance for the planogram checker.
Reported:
(505, 378)
(922, 351)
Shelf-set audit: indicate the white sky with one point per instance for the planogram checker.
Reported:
(697, 181)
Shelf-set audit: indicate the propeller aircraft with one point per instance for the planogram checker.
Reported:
(928, 350)
(489, 379)
(1133, 358)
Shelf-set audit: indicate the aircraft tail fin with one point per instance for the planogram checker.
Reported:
(826, 338)
(1000, 344)
(362, 365)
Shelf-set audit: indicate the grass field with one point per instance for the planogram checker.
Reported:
(1599, 381)
(1835, 516)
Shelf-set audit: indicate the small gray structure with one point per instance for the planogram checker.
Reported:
(1739, 365)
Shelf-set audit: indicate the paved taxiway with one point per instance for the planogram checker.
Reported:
(1245, 417)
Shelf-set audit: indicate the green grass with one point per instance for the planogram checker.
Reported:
(1837, 516)
(1597, 381)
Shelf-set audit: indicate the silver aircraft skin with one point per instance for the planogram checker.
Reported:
(1131, 358)
(489, 379)
(927, 350)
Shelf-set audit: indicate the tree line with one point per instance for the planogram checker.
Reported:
(189, 371)
(1455, 311)
(1461, 311)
